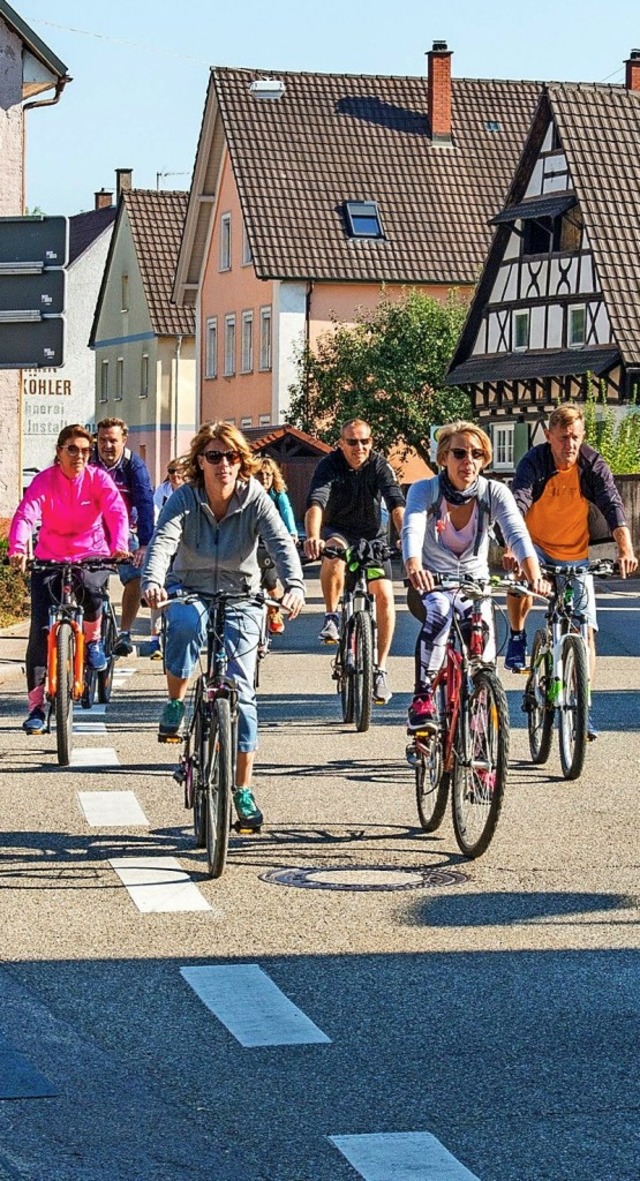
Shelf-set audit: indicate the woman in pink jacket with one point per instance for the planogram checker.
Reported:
(81, 514)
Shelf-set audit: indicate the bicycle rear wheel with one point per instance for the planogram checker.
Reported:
(105, 679)
(197, 765)
(480, 767)
(536, 699)
(432, 781)
(363, 671)
(344, 673)
(219, 779)
(65, 649)
(574, 714)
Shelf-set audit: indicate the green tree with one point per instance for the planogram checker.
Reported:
(387, 368)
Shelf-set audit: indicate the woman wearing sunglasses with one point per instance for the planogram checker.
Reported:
(210, 527)
(446, 531)
(81, 514)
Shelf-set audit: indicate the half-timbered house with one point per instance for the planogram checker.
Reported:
(558, 302)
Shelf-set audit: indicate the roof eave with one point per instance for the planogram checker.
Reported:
(34, 44)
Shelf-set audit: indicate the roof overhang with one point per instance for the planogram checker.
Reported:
(535, 207)
(523, 366)
(42, 69)
(202, 202)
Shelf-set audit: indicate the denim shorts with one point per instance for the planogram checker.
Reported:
(584, 595)
(127, 572)
(186, 635)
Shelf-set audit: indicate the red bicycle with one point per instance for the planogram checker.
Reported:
(469, 751)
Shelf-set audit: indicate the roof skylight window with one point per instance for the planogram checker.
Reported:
(493, 125)
(363, 219)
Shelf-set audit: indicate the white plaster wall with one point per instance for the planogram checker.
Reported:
(554, 327)
(11, 205)
(288, 326)
(68, 394)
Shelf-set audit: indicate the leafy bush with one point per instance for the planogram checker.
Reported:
(617, 440)
(14, 592)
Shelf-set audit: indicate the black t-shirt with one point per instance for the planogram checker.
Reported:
(350, 498)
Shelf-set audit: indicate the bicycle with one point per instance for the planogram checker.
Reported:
(558, 683)
(468, 753)
(207, 764)
(102, 682)
(67, 678)
(355, 663)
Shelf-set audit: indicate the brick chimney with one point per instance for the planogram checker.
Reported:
(104, 199)
(632, 72)
(124, 180)
(439, 93)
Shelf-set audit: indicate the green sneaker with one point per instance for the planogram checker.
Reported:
(248, 811)
(171, 719)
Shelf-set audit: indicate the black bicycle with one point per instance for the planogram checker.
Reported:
(101, 683)
(207, 764)
(355, 662)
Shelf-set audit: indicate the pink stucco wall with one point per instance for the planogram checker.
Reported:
(223, 292)
(11, 205)
(341, 301)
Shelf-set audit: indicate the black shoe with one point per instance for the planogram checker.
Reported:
(35, 723)
(123, 645)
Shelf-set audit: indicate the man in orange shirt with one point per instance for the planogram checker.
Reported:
(554, 485)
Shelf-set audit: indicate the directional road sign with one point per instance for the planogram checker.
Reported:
(33, 253)
(41, 240)
(35, 344)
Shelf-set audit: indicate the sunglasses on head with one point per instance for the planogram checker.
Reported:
(72, 449)
(217, 456)
(462, 452)
(358, 442)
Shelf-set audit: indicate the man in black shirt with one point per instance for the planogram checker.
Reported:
(343, 506)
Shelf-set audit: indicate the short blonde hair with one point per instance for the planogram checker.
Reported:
(267, 464)
(565, 414)
(232, 438)
(446, 433)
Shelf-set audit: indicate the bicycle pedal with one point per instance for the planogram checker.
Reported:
(246, 829)
(170, 738)
(330, 643)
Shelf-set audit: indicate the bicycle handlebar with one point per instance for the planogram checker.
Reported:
(601, 568)
(76, 563)
(257, 600)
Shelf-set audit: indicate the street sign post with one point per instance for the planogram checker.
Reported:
(33, 253)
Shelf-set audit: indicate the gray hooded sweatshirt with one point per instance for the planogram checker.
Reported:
(212, 555)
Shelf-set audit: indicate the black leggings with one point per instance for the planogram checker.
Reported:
(89, 588)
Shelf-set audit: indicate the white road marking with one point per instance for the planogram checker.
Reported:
(112, 809)
(251, 1006)
(94, 756)
(98, 710)
(401, 1156)
(89, 728)
(123, 672)
(159, 884)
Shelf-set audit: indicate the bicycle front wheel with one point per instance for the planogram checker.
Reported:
(574, 713)
(480, 766)
(197, 766)
(219, 787)
(536, 700)
(105, 678)
(432, 786)
(363, 671)
(344, 672)
(65, 648)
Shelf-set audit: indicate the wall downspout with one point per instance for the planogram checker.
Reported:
(175, 404)
(307, 338)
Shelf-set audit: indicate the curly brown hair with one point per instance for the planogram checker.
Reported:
(267, 464)
(232, 438)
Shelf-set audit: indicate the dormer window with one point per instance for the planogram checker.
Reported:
(363, 219)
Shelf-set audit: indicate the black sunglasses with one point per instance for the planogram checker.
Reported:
(461, 452)
(217, 456)
(358, 442)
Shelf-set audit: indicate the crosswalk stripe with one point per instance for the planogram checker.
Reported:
(98, 710)
(158, 884)
(401, 1156)
(123, 672)
(111, 809)
(89, 728)
(252, 1006)
(94, 756)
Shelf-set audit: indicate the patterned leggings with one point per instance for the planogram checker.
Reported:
(438, 607)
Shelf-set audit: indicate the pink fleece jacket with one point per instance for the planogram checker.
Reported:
(81, 517)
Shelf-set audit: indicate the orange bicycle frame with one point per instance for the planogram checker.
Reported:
(52, 659)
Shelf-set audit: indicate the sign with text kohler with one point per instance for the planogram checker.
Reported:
(33, 253)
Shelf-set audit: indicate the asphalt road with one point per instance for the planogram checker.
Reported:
(490, 1007)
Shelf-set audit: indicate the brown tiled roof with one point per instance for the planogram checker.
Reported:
(337, 137)
(599, 128)
(156, 220)
(263, 436)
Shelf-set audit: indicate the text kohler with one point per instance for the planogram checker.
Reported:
(47, 385)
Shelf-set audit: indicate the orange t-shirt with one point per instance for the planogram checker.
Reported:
(558, 521)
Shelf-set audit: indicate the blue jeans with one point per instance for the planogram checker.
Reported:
(186, 635)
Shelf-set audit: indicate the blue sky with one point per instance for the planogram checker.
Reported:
(141, 69)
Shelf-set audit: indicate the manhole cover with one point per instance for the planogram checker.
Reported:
(360, 878)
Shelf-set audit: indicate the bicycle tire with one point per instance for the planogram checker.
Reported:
(480, 764)
(363, 671)
(432, 781)
(219, 779)
(89, 689)
(199, 765)
(65, 649)
(574, 717)
(105, 678)
(540, 712)
(344, 674)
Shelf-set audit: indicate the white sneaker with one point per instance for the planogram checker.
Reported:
(381, 689)
(330, 633)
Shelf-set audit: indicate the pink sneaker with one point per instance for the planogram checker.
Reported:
(423, 714)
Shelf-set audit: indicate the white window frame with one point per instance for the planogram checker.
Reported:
(245, 423)
(230, 345)
(144, 376)
(503, 447)
(246, 342)
(247, 257)
(225, 242)
(265, 355)
(119, 394)
(572, 311)
(265, 420)
(520, 316)
(104, 382)
(124, 293)
(211, 348)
